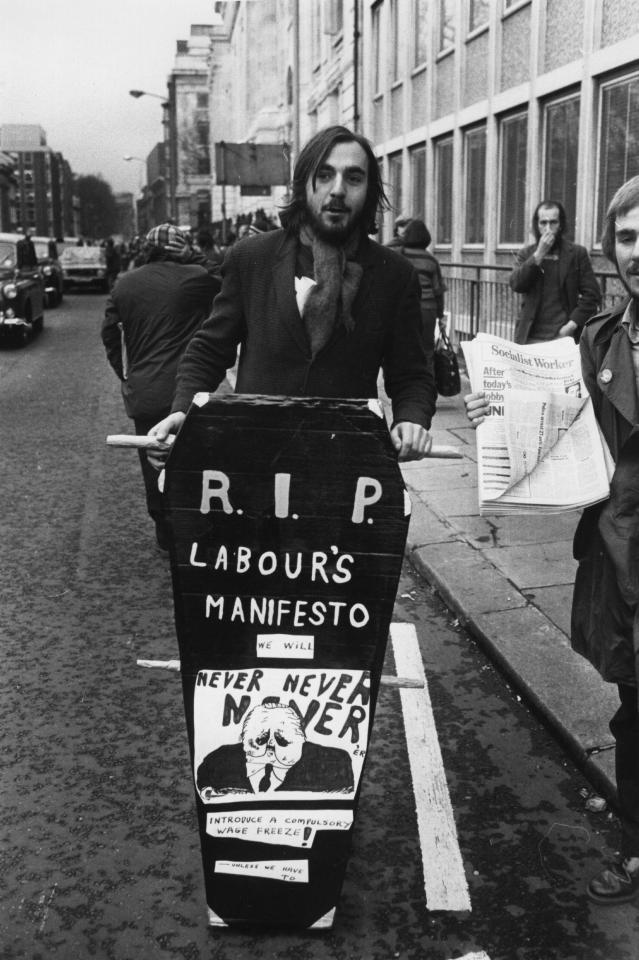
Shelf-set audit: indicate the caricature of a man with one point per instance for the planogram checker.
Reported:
(274, 754)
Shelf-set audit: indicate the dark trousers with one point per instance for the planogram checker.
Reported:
(149, 474)
(624, 727)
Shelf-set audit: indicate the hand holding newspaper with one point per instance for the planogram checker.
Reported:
(540, 449)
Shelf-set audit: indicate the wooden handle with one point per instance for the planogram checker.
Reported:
(386, 680)
(138, 442)
(440, 451)
(444, 452)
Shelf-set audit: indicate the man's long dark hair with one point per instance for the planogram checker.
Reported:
(312, 155)
(562, 217)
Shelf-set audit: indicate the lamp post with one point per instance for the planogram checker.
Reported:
(128, 157)
(136, 94)
(166, 123)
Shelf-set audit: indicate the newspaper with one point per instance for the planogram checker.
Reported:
(540, 450)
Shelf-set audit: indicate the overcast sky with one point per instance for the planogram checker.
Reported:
(68, 65)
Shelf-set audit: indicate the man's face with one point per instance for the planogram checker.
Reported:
(335, 203)
(548, 220)
(627, 250)
(273, 735)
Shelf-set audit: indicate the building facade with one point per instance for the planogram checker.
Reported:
(480, 108)
(477, 109)
(189, 159)
(44, 194)
(8, 186)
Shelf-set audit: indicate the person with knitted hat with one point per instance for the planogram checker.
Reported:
(151, 314)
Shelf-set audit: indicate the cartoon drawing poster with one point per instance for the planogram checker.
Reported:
(286, 734)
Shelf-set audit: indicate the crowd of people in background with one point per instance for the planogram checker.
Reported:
(211, 242)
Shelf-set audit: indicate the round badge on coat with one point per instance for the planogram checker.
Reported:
(605, 376)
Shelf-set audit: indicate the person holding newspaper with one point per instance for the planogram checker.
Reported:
(605, 608)
(555, 277)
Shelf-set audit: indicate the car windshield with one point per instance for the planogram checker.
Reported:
(83, 255)
(7, 254)
(41, 249)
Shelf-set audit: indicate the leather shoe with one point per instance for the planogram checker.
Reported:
(616, 884)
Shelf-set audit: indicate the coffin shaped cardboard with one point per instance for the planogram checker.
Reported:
(287, 521)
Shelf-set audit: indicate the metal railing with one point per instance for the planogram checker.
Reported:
(479, 298)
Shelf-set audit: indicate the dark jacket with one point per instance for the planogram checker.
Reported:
(578, 288)
(606, 543)
(257, 309)
(153, 311)
(319, 769)
(415, 240)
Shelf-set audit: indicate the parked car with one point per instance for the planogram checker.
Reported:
(21, 293)
(84, 267)
(52, 273)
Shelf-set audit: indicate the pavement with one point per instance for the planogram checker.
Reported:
(509, 582)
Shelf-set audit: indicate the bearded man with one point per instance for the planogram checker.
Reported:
(318, 308)
(555, 277)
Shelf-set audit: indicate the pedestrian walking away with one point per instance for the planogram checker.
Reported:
(151, 314)
(555, 277)
(317, 308)
(415, 237)
(605, 608)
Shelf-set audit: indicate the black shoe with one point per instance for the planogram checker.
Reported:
(616, 884)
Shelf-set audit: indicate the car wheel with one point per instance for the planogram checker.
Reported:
(38, 325)
(23, 335)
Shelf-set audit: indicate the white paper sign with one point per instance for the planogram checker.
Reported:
(291, 871)
(290, 828)
(288, 734)
(286, 645)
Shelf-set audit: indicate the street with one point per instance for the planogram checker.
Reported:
(100, 855)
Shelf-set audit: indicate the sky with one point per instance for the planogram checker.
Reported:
(68, 66)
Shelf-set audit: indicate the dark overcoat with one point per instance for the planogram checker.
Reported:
(150, 316)
(256, 310)
(606, 595)
(578, 288)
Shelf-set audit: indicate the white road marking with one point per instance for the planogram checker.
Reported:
(444, 879)
(475, 956)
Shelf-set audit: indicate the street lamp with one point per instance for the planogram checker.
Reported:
(136, 94)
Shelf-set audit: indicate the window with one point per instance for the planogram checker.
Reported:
(478, 14)
(394, 40)
(203, 157)
(561, 139)
(376, 51)
(420, 25)
(202, 130)
(334, 17)
(618, 140)
(444, 178)
(202, 100)
(475, 183)
(514, 142)
(418, 182)
(395, 178)
(446, 25)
